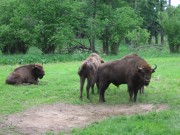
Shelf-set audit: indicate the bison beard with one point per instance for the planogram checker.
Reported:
(88, 69)
(28, 74)
(131, 70)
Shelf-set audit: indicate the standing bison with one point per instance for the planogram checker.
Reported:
(131, 70)
(27, 74)
(88, 69)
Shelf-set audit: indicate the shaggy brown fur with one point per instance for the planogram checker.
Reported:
(88, 69)
(131, 70)
(27, 74)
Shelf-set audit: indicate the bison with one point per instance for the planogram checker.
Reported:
(27, 74)
(88, 69)
(131, 70)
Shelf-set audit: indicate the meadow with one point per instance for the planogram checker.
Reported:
(61, 85)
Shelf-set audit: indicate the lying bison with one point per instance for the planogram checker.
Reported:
(27, 74)
(131, 70)
(88, 70)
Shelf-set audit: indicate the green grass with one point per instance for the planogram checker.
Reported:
(163, 123)
(61, 84)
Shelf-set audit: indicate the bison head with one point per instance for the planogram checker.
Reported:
(146, 74)
(38, 71)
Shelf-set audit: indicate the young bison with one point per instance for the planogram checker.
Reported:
(26, 74)
(88, 70)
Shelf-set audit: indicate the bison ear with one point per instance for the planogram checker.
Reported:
(35, 66)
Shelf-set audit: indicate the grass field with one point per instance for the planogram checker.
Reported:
(61, 84)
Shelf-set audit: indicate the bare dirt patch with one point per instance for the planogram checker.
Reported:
(64, 117)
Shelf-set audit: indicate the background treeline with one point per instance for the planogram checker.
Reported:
(56, 25)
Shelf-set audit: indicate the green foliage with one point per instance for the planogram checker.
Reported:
(115, 24)
(137, 37)
(124, 20)
(46, 24)
(171, 25)
(13, 36)
(52, 25)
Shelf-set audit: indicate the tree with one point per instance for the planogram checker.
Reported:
(90, 9)
(53, 18)
(171, 25)
(14, 37)
(115, 24)
(47, 24)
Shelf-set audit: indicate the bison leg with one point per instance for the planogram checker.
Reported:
(82, 80)
(102, 91)
(97, 85)
(135, 95)
(92, 87)
(89, 83)
(131, 93)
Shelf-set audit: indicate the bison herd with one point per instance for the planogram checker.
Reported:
(131, 70)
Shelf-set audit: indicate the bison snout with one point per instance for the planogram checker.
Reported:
(146, 81)
(41, 76)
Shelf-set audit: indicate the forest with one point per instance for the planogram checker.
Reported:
(61, 26)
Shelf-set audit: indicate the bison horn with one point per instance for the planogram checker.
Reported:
(153, 70)
(155, 67)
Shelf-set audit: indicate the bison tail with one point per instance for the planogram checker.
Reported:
(82, 69)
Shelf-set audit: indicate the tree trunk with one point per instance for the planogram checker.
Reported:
(150, 39)
(162, 37)
(105, 46)
(156, 38)
(92, 36)
(177, 48)
(169, 2)
(92, 44)
(114, 48)
(171, 48)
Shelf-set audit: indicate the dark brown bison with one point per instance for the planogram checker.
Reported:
(131, 70)
(27, 74)
(88, 69)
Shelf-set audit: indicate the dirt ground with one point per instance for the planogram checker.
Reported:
(64, 117)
